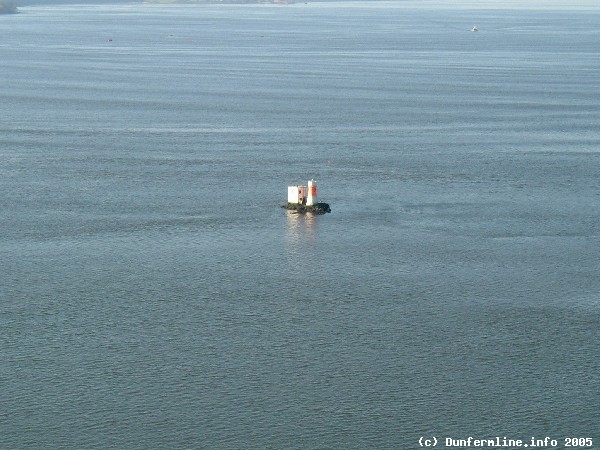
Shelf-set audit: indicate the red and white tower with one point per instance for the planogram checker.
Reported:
(311, 198)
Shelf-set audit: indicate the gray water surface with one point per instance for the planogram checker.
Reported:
(154, 295)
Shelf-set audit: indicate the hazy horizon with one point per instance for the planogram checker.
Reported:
(469, 4)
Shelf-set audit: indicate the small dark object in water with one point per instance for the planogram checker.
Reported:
(317, 208)
(8, 8)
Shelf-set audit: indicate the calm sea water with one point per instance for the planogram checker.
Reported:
(154, 295)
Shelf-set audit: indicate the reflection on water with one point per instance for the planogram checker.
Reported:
(302, 253)
(301, 228)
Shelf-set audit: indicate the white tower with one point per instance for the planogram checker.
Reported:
(311, 199)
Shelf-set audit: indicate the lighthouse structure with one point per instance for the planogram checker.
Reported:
(311, 199)
(304, 199)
